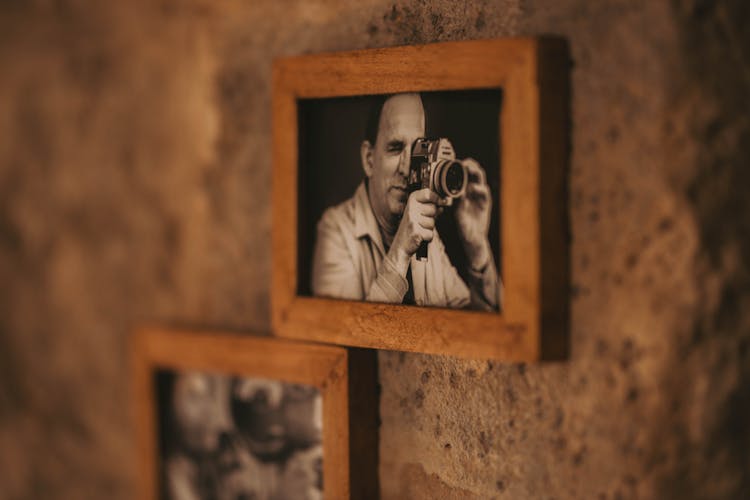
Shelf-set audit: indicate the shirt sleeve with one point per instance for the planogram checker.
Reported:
(335, 273)
(485, 287)
(481, 293)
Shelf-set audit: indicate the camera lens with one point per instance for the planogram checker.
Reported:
(452, 178)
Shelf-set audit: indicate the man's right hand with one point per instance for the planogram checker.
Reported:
(417, 225)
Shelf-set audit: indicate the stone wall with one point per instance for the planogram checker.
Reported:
(134, 171)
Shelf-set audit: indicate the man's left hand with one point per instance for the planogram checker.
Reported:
(473, 212)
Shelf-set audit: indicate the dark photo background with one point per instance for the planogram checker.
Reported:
(332, 130)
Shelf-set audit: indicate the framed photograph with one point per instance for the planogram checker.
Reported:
(227, 416)
(419, 198)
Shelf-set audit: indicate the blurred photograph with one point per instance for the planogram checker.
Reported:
(399, 199)
(233, 438)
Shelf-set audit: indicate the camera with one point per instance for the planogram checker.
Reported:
(433, 165)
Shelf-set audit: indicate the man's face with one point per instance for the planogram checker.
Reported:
(273, 415)
(201, 410)
(386, 163)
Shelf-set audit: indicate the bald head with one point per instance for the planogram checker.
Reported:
(386, 162)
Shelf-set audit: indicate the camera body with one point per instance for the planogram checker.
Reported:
(433, 165)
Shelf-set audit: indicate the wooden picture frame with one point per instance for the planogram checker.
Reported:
(533, 76)
(345, 378)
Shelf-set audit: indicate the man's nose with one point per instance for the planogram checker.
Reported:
(403, 162)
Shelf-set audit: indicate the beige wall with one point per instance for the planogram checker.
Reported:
(134, 175)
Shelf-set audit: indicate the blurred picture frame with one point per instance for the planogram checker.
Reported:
(315, 401)
(529, 320)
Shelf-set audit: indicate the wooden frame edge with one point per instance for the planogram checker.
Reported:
(555, 128)
(346, 382)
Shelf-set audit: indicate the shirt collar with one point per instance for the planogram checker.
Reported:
(364, 220)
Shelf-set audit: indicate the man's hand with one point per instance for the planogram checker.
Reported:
(417, 225)
(473, 212)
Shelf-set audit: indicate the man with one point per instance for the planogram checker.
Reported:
(365, 247)
(206, 461)
(242, 438)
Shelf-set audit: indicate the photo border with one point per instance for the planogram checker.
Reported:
(346, 379)
(533, 75)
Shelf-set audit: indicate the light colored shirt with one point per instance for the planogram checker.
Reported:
(350, 262)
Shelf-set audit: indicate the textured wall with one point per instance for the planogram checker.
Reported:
(134, 174)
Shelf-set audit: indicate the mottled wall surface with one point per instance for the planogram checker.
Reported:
(134, 174)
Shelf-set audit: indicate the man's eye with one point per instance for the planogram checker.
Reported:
(395, 148)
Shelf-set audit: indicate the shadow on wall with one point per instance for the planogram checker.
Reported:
(716, 460)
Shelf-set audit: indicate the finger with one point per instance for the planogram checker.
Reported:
(427, 209)
(426, 222)
(478, 191)
(426, 234)
(475, 171)
(426, 195)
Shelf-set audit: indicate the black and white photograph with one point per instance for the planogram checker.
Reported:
(225, 437)
(398, 199)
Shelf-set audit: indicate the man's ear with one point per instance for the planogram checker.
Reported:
(366, 151)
